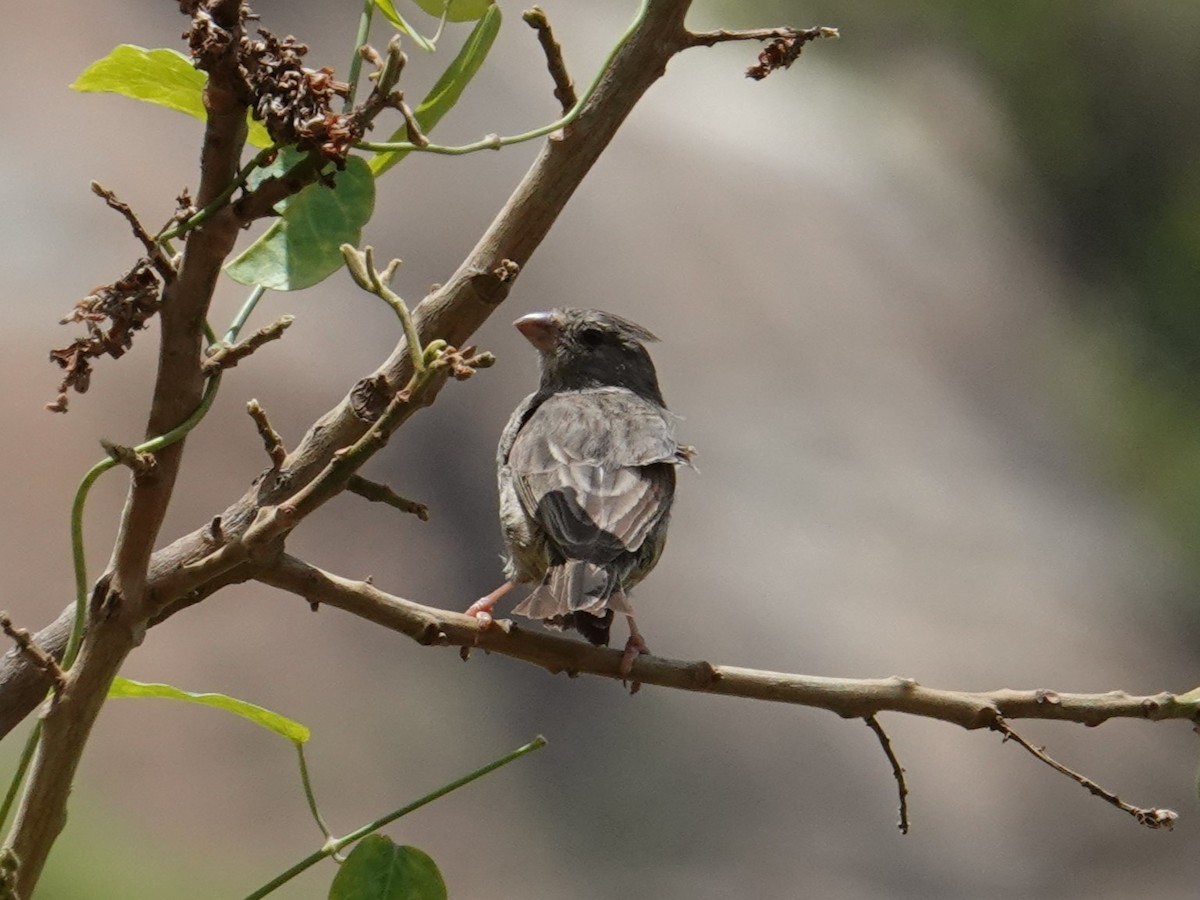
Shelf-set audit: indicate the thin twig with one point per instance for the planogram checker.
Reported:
(1152, 818)
(271, 439)
(226, 356)
(564, 88)
(412, 126)
(154, 250)
(783, 50)
(381, 493)
(35, 654)
(897, 770)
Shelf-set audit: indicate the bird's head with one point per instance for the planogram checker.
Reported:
(586, 348)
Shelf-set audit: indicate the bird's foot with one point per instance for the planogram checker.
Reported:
(482, 608)
(634, 647)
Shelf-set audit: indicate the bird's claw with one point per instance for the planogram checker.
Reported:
(634, 647)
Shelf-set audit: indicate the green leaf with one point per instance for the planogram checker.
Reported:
(393, 15)
(292, 730)
(459, 10)
(163, 77)
(380, 869)
(441, 99)
(302, 246)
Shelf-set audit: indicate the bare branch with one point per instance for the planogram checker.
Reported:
(897, 770)
(411, 125)
(227, 356)
(381, 493)
(848, 697)
(271, 439)
(154, 250)
(35, 654)
(1151, 818)
(784, 49)
(564, 89)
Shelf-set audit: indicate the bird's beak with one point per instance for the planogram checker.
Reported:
(540, 329)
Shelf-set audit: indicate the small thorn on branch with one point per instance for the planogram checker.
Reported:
(138, 463)
(34, 653)
(381, 493)
(271, 439)
(1152, 818)
(897, 770)
(564, 88)
(227, 356)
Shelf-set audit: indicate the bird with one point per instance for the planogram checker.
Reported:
(586, 476)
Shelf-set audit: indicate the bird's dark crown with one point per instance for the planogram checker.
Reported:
(594, 348)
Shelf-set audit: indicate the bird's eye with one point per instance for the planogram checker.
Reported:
(591, 337)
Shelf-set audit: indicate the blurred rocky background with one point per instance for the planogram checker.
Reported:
(929, 309)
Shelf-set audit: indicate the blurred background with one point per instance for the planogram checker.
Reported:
(928, 309)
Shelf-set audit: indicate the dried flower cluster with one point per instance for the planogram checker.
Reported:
(294, 102)
(785, 50)
(291, 100)
(112, 314)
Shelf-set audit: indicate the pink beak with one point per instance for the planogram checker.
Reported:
(540, 329)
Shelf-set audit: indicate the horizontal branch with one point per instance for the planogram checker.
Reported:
(848, 697)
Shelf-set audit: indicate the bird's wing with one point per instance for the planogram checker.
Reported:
(596, 469)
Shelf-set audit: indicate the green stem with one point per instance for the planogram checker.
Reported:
(257, 161)
(495, 141)
(360, 41)
(309, 795)
(333, 846)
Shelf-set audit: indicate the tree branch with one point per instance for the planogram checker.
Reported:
(140, 589)
(117, 619)
(848, 697)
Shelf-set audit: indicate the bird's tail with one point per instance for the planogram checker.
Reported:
(577, 594)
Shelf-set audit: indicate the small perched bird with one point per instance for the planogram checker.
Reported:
(586, 470)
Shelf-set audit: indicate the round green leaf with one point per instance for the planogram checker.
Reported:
(459, 11)
(380, 869)
(303, 246)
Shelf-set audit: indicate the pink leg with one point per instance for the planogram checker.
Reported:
(482, 608)
(634, 647)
